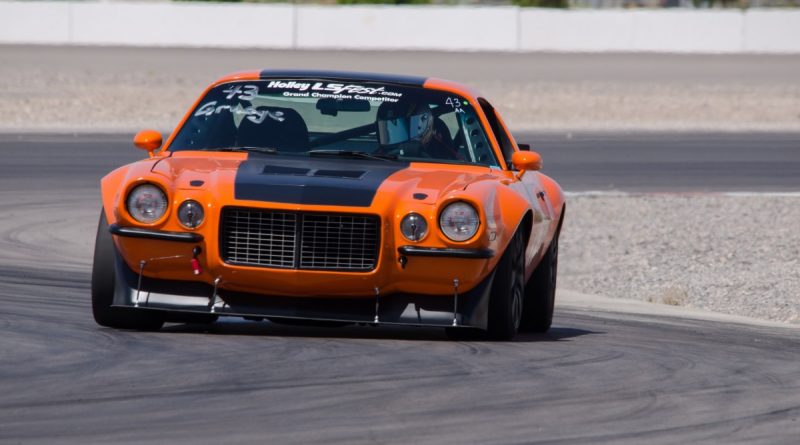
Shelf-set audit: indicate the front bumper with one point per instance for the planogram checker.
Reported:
(468, 309)
(415, 270)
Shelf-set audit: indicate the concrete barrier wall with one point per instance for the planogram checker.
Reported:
(431, 27)
(772, 31)
(449, 28)
(45, 22)
(182, 24)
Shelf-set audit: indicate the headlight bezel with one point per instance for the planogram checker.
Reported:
(136, 216)
(448, 233)
(420, 221)
(199, 207)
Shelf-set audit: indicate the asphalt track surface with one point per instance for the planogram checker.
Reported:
(597, 377)
(631, 162)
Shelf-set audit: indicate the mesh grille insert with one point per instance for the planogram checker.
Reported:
(320, 241)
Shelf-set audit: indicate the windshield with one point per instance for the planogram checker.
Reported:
(311, 117)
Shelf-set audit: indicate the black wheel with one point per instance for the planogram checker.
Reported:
(540, 292)
(505, 299)
(103, 281)
(508, 292)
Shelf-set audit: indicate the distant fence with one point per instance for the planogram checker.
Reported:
(450, 28)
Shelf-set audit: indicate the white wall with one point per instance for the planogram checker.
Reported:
(407, 27)
(41, 22)
(772, 31)
(688, 31)
(555, 30)
(182, 24)
(463, 28)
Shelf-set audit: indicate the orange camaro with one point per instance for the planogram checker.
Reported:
(331, 197)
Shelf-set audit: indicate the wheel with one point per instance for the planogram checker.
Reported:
(104, 275)
(540, 292)
(508, 289)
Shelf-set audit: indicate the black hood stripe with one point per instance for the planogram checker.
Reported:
(312, 181)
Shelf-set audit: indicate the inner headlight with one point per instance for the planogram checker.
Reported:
(414, 227)
(190, 214)
(146, 203)
(459, 221)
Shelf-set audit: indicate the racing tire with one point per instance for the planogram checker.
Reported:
(505, 299)
(540, 292)
(104, 276)
(508, 292)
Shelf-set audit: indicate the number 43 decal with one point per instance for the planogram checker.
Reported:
(455, 102)
(247, 92)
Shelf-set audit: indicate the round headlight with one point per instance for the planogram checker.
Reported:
(190, 214)
(414, 227)
(459, 221)
(146, 203)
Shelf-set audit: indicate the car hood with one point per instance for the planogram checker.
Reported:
(318, 181)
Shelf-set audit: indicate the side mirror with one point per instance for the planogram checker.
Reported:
(526, 160)
(524, 147)
(149, 140)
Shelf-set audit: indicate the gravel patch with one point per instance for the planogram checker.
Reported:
(647, 106)
(126, 89)
(730, 254)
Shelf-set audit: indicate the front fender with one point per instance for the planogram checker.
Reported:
(504, 210)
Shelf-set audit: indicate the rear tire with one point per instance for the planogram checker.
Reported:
(104, 276)
(540, 292)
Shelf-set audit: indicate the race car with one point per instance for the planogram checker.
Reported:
(331, 198)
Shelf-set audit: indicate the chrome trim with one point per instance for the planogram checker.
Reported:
(136, 232)
(446, 252)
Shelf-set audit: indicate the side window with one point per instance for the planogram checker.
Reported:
(502, 137)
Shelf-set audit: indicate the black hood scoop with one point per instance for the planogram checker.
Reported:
(327, 173)
(285, 170)
(312, 181)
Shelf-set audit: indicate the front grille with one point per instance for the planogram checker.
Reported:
(319, 241)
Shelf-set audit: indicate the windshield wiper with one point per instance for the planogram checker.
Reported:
(268, 150)
(353, 154)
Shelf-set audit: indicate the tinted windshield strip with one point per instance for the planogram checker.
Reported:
(343, 76)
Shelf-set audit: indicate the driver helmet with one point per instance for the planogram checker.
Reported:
(403, 122)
